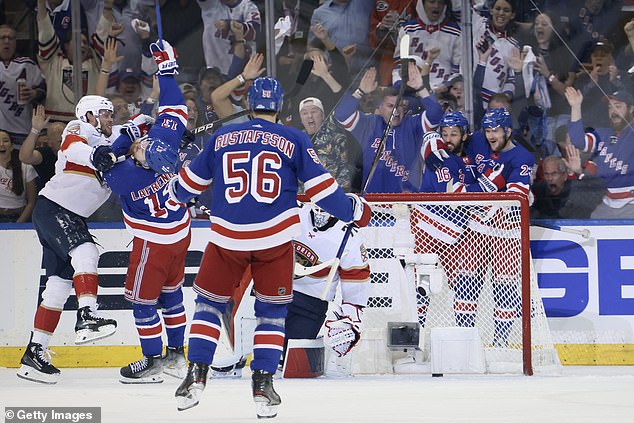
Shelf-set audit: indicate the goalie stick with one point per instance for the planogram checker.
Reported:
(404, 52)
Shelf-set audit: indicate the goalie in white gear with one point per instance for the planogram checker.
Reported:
(320, 239)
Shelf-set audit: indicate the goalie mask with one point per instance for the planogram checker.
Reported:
(321, 217)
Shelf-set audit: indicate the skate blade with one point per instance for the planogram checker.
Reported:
(141, 380)
(177, 372)
(191, 399)
(33, 375)
(233, 374)
(265, 411)
(87, 335)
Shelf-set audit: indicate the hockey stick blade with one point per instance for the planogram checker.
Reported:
(584, 233)
(302, 77)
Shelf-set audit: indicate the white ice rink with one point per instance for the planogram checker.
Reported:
(579, 394)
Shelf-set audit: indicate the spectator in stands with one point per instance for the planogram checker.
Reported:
(604, 77)
(332, 145)
(329, 76)
(209, 80)
(400, 167)
(22, 86)
(57, 67)
(455, 84)
(42, 157)
(221, 97)
(611, 150)
(347, 23)
(385, 21)
(495, 43)
(17, 184)
(552, 68)
(218, 38)
(433, 28)
(559, 197)
(189, 92)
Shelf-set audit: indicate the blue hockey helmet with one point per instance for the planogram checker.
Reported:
(496, 118)
(160, 156)
(455, 119)
(265, 94)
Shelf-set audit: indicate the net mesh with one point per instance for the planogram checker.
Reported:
(451, 262)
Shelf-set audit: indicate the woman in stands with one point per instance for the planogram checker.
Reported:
(17, 184)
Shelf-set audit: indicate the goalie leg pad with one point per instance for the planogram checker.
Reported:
(205, 330)
(304, 358)
(149, 327)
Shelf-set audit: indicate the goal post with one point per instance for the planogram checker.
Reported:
(483, 278)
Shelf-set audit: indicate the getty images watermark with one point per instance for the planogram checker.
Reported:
(52, 414)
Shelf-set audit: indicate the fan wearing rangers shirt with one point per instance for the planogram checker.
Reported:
(399, 168)
(21, 84)
(161, 230)
(612, 152)
(70, 255)
(432, 29)
(255, 167)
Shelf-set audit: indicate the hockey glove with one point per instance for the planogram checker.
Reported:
(165, 58)
(434, 149)
(345, 331)
(362, 213)
(491, 179)
(102, 158)
(138, 126)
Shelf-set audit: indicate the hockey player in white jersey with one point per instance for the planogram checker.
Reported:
(70, 255)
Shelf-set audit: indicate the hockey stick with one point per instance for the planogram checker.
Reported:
(404, 52)
(584, 233)
(305, 271)
(302, 77)
(159, 24)
(211, 125)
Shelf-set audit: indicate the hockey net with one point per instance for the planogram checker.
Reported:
(447, 260)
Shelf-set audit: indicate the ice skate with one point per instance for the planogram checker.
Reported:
(265, 397)
(192, 386)
(90, 327)
(233, 371)
(174, 362)
(36, 365)
(149, 369)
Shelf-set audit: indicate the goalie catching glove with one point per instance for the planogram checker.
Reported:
(165, 57)
(138, 126)
(345, 331)
(362, 213)
(491, 179)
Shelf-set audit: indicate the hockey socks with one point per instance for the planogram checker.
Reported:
(507, 304)
(205, 330)
(174, 317)
(268, 339)
(149, 327)
(467, 289)
(50, 309)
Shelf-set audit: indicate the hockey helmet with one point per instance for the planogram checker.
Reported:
(160, 156)
(93, 104)
(265, 94)
(455, 119)
(496, 118)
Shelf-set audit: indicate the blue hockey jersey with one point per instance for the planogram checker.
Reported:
(255, 166)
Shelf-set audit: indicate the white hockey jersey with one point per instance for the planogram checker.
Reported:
(16, 118)
(75, 185)
(315, 246)
(217, 44)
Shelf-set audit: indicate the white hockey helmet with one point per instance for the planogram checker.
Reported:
(94, 104)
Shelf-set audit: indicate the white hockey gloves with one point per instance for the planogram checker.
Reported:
(165, 58)
(434, 149)
(102, 158)
(138, 126)
(491, 179)
(361, 210)
(344, 332)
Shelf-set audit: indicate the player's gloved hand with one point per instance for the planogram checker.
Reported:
(161, 157)
(434, 149)
(138, 126)
(165, 58)
(344, 332)
(102, 158)
(361, 210)
(491, 178)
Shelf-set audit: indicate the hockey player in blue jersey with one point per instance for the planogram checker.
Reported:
(161, 230)
(255, 167)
